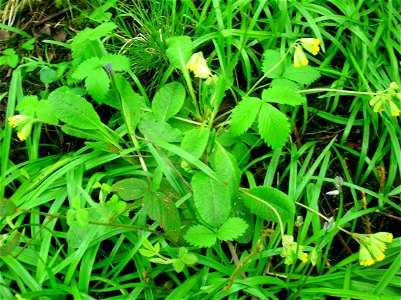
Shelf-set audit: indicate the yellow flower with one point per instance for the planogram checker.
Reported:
(378, 102)
(311, 45)
(372, 246)
(300, 59)
(395, 110)
(394, 86)
(386, 237)
(25, 132)
(197, 64)
(365, 258)
(290, 250)
(17, 120)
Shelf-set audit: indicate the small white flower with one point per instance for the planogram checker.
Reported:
(333, 193)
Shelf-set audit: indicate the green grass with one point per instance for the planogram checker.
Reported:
(95, 254)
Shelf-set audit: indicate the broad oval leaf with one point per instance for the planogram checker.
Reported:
(179, 50)
(260, 201)
(274, 126)
(200, 236)
(232, 229)
(195, 141)
(244, 114)
(158, 130)
(168, 101)
(212, 199)
(74, 110)
(130, 188)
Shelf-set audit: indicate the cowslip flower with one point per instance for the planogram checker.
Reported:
(291, 249)
(25, 132)
(18, 120)
(372, 246)
(300, 59)
(395, 110)
(197, 64)
(378, 102)
(311, 45)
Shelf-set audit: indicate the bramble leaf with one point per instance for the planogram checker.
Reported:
(118, 62)
(212, 199)
(303, 75)
(232, 229)
(274, 126)
(262, 198)
(283, 95)
(244, 114)
(98, 83)
(270, 60)
(168, 101)
(200, 236)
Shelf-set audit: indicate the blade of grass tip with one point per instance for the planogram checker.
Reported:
(391, 272)
(271, 170)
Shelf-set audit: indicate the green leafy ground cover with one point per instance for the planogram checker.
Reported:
(202, 150)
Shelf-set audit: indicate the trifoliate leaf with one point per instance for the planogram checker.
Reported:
(303, 75)
(274, 126)
(232, 229)
(244, 114)
(270, 64)
(200, 236)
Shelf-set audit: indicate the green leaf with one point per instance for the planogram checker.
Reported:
(161, 208)
(48, 75)
(28, 105)
(46, 113)
(130, 189)
(98, 84)
(159, 130)
(260, 200)
(232, 229)
(179, 50)
(212, 199)
(74, 110)
(283, 95)
(178, 265)
(77, 234)
(270, 60)
(226, 167)
(244, 114)
(168, 101)
(146, 253)
(87, 66)
(7, 207)
(243, 212)
(10, 57)
(282, 82)
(303, 75)
(118, 62)
(9, 243)
(83, 134)
(195, 141)
(274, 126)
(82, 217)
(200, 236)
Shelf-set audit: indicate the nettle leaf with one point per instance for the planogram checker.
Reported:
(130, 189)
(87, 66)
(45, 112)
(283, 95)
(212, 199)
(98, 84)
(244, 114)
(195, 141)
(27, 105)
(232, 229)
(262, 198)
(179, 50)
(159, 130)
(118, 62)
(168, 101)
(161, 208)
(270, 60)
(74, 110)
(200, 236)
(303, 75)
(226, 167)
(274, 126)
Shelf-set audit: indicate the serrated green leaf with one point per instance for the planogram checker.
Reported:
(27, 105)
(179, 50)
(200, 236)
(260, 200)
(130, 188)
(74, 110)
(46, 113)
(232, 229)
(48, 75)
(273, 126)
(159, 130)
(86, 67)
(212, 199)
(168, 101)
(161, 208)
(303, 75)
(282, 82)
(244, 114)
(98, 83)
(270, 60)
(195, 141)
(243, 212)
(283, 95)
(118, 62)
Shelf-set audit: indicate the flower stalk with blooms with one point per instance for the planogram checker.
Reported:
(311, 45)
(300, 59)
(372, 246)
(23, 125)
(387, 97)
(197, 64)
(292, 249)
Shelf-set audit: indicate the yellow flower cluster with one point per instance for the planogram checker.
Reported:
(292, 249)
(23, 124)
(372, 246)
(197, 64)
(387, 97)
(309, 44)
